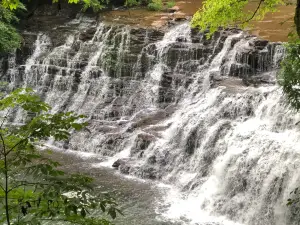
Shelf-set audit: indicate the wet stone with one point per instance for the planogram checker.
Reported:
(119, 162)
(151, 159)
(87, 34)
(149, 173)
(124, 168)
(260, 44)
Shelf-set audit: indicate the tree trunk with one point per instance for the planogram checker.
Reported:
(6, 189)
(297, 17)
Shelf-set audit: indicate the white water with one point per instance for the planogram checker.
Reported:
(254, 152)
(228, 153)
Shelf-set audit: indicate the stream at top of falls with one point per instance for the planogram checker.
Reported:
(199, 126)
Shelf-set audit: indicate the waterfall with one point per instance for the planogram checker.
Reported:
(204, 116)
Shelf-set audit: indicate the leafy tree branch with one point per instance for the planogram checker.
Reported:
(33, 189)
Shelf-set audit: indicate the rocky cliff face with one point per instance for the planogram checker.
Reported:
(201, 114)
(83, 46)
(111, 72)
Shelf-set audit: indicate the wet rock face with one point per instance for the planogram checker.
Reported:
(87, 34)
(127, 80)
(251, 63)
(119, 73)
(74, 56)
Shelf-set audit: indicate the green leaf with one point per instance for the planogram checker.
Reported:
(230, 13)
(76, 126)
(36, 184)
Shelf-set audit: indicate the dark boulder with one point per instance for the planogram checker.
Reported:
(87, 34)
(119, 162)
(149, 173)
(122, 165)
(152, 159)
(191, 142)
(142, 142)
(260, 44)
(124, 168)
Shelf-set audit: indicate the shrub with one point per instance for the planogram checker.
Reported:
(171, 4)
(155, 5)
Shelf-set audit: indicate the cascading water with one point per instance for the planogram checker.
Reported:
(202, 115)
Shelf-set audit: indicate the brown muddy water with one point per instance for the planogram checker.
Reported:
(271, 28)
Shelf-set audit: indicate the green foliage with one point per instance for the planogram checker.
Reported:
(10, 4)
(226, 13)
(32, 188)
(171, 4)
(9, 37)
(155, 5)
(131, 3)
(94, 4)
(289, 76)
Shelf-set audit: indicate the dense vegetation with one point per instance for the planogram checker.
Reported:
(9, 37)
(32, 188)
(289, 76)
(227, 13)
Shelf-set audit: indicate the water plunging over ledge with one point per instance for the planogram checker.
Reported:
(203, 116)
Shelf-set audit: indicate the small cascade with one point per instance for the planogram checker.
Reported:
(204, 116)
